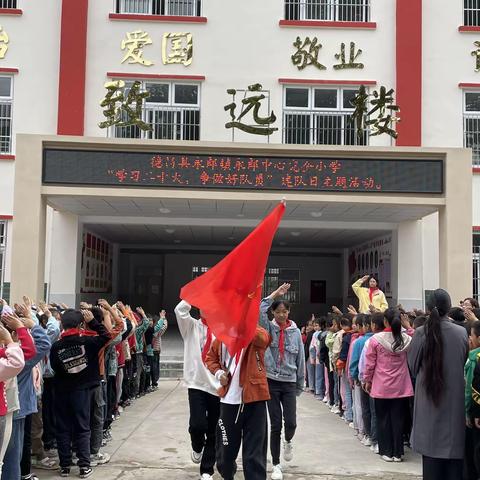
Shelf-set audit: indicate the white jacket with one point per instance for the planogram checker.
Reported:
(194, 333)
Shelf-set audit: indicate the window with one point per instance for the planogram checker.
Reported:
(197, 271)
(476, 267)
(471, 13)
(320, 116)
(189, 8)
(328, 10)
(8, 3)
(471, 124)
(172, 109)
(3, 245)
(275, 277)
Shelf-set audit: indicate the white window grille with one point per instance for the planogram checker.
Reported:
(3, 247)
(6, 100)
(471, 124)
(8, 4)
(471, 13)
(328, 10)
(188, 8)
(274, 277)
(320, 116)
(197, 271)
(172, 110)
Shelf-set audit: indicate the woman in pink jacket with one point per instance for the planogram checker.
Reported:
(387, 379)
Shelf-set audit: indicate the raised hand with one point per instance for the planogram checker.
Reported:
(12, 321)
(336, 310)
(352, 310)
(87, 315)
(141, 312)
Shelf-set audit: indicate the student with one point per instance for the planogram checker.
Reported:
(202, 389)
(341, 363)
(324, 361)
(371, 297)
(437, 359)
(320, 384)
(330, 340)
(243, 413)
(387, 379)
(74, 358)
(285, 363)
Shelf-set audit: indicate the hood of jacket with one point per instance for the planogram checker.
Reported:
(386, 340)
(292, 326)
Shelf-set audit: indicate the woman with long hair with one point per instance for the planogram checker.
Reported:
(387, 380)
(436, 358)
(370, 298)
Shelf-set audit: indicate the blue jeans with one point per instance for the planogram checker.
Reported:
(311, 376)
(320, 379)
(348, 398)
(13, 455)
(336, 389)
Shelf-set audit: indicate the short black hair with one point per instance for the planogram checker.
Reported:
(345, 322)
(457, 315)
(476, 327)
(277, 303)
(71, 318)
(419, 321)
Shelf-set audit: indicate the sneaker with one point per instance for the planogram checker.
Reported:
(45, 464)
(30, 476)
(367, 442)
(351, 425)
(361, 438)
(397, 459)
(386, 458)
(85, 472)
(377, 450)
(287, 451)
(206, 476)
(197, 457)
(65, 471)
(99, 459)
(277, 472)
(325, 399)
(336, 410)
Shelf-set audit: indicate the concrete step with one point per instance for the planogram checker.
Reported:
(171, 367)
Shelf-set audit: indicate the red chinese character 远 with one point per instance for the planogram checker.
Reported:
(204, 178)
(157, 162)
(334, 166)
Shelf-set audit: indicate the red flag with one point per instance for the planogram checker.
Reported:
(229, 294)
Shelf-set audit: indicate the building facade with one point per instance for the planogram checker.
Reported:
(307, 58)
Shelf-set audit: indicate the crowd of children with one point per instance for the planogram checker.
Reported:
(66, 374)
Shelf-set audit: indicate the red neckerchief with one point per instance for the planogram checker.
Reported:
(281, 339)
(388, 329)
(208, 341)
(371, 293)
(70, 332)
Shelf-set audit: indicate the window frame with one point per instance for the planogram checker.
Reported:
(197, 7)
(9, 100)
(16, 7)
(331, 6)
(3, 252)
(269, 287)
(472, 114)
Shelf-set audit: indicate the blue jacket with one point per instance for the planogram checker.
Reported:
(26, 391)
(356, 353)
(292, 369)
(53, 332)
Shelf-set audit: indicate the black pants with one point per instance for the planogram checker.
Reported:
(366, 413)
(26, 463)
(73, 425)
(246, 425)
(331, 388)
(48, 413)
(204, 412)
(442, 469)
(111, 401)
(127, 381)
(97, 408)
(391, 414)
(282, 403)
(156, 368)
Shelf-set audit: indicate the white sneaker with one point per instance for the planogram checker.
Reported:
(99, 459)
(377, 450)
(277, 473)
(288, 451)
(385, 458)
(206, 476)
(197, 457)
(325, 399)
(336, 410)
(397, 459)
(351, 425)
(367, 442)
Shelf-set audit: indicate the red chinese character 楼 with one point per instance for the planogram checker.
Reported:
(211, 163)
(184, 163)
(287, 181)
(218, 178)
(334, 166)
(204, 178)
(135, 175)
(157, 162)
(341, 182)
(121, 175)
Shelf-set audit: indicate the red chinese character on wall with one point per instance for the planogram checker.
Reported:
(225, 164)
(307, 166)
(294, 166)
(239, 165)
(369, 183)
(212, 163)
(259, 180)
(334, 166)
(197, 164)
(177, 178)
(184, 163)
(298, 180)
(252, 164)
(245, 180)
(157, 162)
(354, 182)
(327, 182)
(341, 182)
(320, 166)
(287, 181)
(266, 164)
(171, 161)
(280, 166)
(160, 178)
(231, 179)
(135, 175)
(218, 178)
(314, 181)
(121, 175)
(204, 178)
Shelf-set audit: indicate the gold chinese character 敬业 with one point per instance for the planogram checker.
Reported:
(307, 53)
(177, 48)
(4, 40)
(353, 56)
(262, 124)
(121, 110)
(133, 44)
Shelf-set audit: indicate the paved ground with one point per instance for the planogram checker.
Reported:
(151, 443)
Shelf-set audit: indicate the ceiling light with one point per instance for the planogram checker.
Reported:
(316, 214)
(164, 210)
(170, 230)
(295, 234)
(231, 238)
(240, 215)
(177, 241)
(282, 243)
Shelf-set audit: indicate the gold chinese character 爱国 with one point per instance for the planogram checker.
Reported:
(353, 56)
(177, 48)
(307, 53)
(476, 54)
(4, 40)
(262, 126)
(133, 44)
(121, 110)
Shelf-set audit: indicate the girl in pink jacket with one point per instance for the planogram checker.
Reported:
(387, 379)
